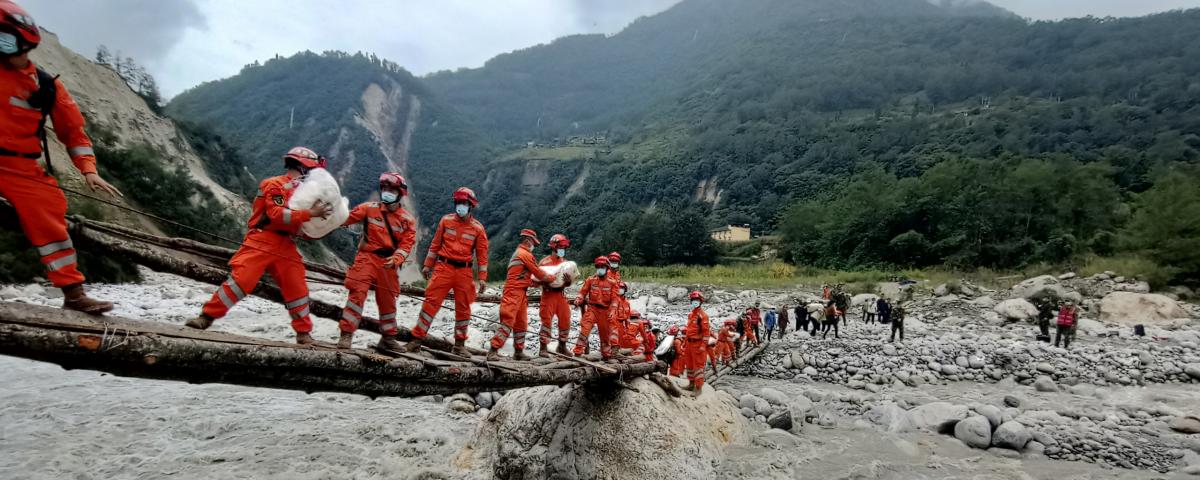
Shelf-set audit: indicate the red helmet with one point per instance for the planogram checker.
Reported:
(559, 240)
(601, 262)
(15, 20)
(305, 157)
(529, 233)
(634, 314)
(674, 330)
(464, 194)
(393, 180)
(695, 295)
(622, 285)
(614, 257)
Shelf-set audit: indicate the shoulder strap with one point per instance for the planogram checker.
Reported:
(388, 224)
(43, 99)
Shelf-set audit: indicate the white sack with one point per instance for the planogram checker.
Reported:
(564, 273)
(319, 186)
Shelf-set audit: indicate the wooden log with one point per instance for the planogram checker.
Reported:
(169, 352)
(742, 358)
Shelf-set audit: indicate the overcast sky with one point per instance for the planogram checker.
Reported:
(185, 42)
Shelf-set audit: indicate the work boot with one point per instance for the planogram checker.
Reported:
(493, 355)
(345, 339)
(413, 346)
(388, 342)
(562, 350)
(544, 351)
(201, 322)
(304, 338)
(520, 356)
(460, 348)
(75, 299)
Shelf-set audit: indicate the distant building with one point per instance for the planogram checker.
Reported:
(731, 233)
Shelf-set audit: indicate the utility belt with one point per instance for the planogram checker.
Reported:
(4, 152)
(598, 305)
(453, 263)
(552, 289)
(384, 252)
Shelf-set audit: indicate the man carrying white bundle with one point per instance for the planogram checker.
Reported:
(268, 247)
(554, 300)
(389, 233)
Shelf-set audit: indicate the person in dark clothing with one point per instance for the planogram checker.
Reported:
(741, 327)
(898, 323)
(1045, 308)
(885, 311)
(783, 321)
(801, 318)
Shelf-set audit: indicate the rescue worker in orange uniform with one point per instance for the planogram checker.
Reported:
(696, 347)
(627, 333)
(554, 302)
(649, 340)
(748, 329)
(30, 95)
(268, 247)
(389, 233)
(618, 316)
(680, 347)
(725, 342)
(600, 295)
(614, 267)
(514, 302)
(459, 244)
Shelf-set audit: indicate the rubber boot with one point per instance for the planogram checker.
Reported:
(75, 299)
(344, 341)
(562, 350)
(520, 356)
(304, 338)
(493, 355)
(544, 351)
(460, 348)
(413, 346)
(388, 342)
(201, 322)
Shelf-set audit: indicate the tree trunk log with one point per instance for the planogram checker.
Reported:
(169, 352)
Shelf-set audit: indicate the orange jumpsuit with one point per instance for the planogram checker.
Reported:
(600, 295)
(696, 349)
(378, 244)
(268, 247)
(628, 334)
(711, 352)
(649, 341)
(748, 332)
(725, 344)
(554, 304)
(680, 356)
(514, 303)
(40, 205)
(617, 317)
(456, 241)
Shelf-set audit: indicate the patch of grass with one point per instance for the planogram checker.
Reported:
(1128, 265)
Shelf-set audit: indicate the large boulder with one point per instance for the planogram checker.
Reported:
(676, 294)
(572, 433)
(890, 417)
(1130, 308)
(1016, 309)
(1038, 286)
(1011, 435)
(1189, 424)
(975, 432)
(938, 416)
(775, 397)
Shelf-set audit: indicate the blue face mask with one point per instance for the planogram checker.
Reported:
(389, 197)
(8, 43)
(462, 209)
(695, 304)
(562, 252)
(600, 272)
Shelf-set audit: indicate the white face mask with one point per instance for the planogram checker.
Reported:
(695, 304)
(462, 209)
(389, 197)
(622, 292)
(615, 265)
(562, 252)
(600, 272)
(8, 43)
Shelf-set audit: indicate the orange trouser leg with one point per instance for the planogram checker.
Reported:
(554, 305)
(710, 355)
(586, 322)
(359, 280)
(678, 364)
(41, 208)
(604, 326)
(514, 318)
(387, 288)
(290, 276)
(246, 268)
(444, 280)
(696, 355)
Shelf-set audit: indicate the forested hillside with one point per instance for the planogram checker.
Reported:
(869, 133)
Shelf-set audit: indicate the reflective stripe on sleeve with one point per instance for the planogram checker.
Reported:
(77, 151)
(20, 102)
(52, 248)
(62, 262)
(287, 216)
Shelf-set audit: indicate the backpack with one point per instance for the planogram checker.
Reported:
(43, 100)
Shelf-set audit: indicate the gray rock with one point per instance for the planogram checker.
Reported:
(1193, 370)
(891, 417)
(992, 413)
(747, 412)
(974, 431)
(675, 294)
(1045, 384)
(938, 416)
(459, 405)
(1035, 448)
(781, 420)
(1012, 401)
(797, 360)
(1067, 276)
(1188, 424)
(1011, 435)
(949, 369)
(975, 362)
(762, 407)
(747, 401)
(889, 350)
(962, 362)
(484, 400)
(1016, 309)
(1045, 368)
(773, 396)
(810, 371)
